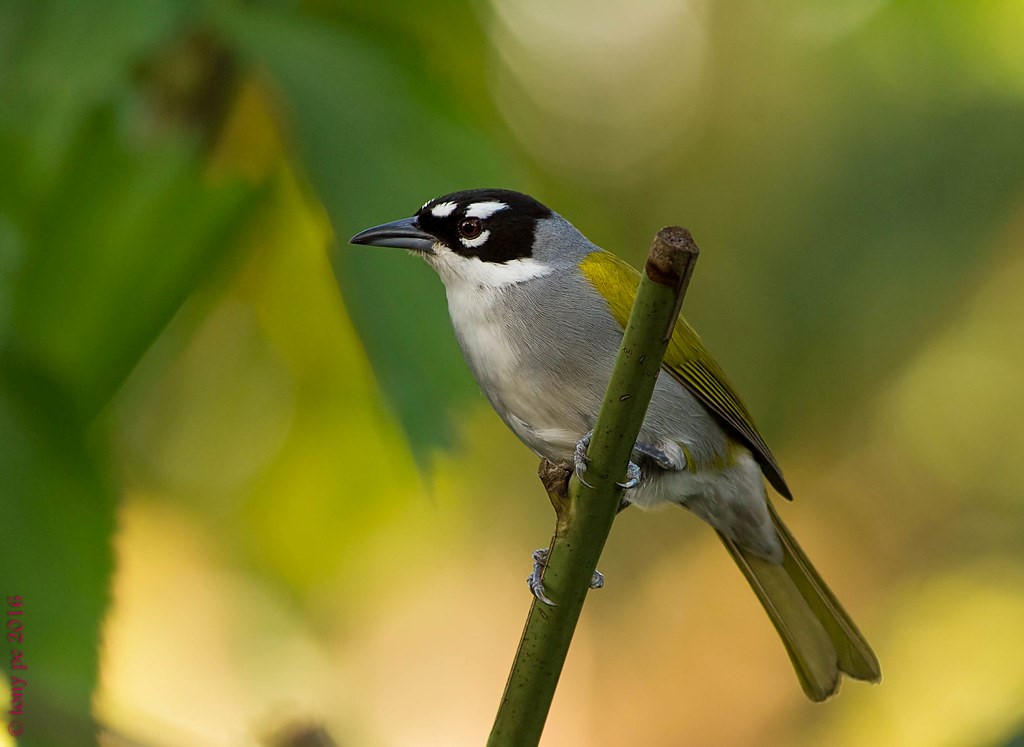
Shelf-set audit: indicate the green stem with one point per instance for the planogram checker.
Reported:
(586, 514)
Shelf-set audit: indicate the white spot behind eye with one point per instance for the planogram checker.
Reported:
(443, 209)
(473, 243)
(484, 210)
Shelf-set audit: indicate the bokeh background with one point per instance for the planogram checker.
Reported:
(250, 495)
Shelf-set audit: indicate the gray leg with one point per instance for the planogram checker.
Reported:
(633, 476)
(633, 473)
(580, 457)
(650, 453)
(536, 583)
(656, 455)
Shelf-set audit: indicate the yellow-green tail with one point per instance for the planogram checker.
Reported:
(819, 636)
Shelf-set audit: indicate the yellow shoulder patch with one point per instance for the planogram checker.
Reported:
(615, 280)
(686, 359)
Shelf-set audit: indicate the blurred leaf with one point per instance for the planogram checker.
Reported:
(201, 425)
(12, 250)
(97, 267)
(1015, 740)
(376, 144)
(105, 228)
(58, 518)
(344, 464)
(60, 58)
(114, 249)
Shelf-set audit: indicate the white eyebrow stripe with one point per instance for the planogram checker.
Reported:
(484, 210)
(443, 209)
(474, 243)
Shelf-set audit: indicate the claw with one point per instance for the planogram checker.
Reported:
(632, 477)
(580, 458)
(581, 470)
(534, 581)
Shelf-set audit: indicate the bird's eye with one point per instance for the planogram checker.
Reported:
(470, 228)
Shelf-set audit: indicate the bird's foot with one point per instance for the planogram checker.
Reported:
(581, 463)
(536, 582)
(580, 460)
(632, 477)
(651, 454)
(660, 457)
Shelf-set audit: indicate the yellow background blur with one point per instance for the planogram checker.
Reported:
(249, 487)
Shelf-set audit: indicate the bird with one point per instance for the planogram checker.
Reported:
(539, 312)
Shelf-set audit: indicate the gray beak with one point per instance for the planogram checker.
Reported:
(403, 234)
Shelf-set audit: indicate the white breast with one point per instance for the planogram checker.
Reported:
(482, 332)
(484, 328)
(475, 289)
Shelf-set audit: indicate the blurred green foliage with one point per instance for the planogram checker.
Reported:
(172, 342)
(105, 235)
(350, 105)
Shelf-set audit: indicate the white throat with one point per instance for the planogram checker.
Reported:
(456, 270)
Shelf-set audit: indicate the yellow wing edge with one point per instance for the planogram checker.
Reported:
(686, 359)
